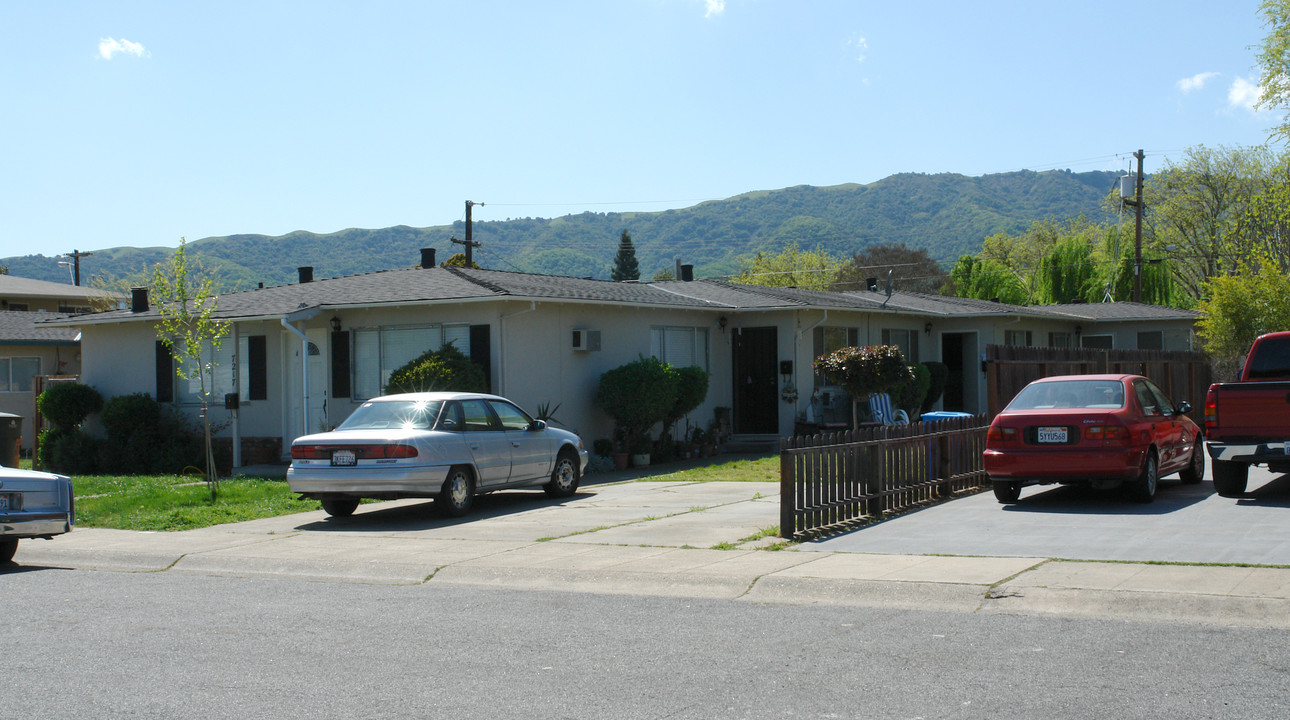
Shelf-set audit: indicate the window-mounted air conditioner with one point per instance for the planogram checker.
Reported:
(586, 340)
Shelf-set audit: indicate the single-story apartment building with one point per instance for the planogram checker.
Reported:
(301, 357)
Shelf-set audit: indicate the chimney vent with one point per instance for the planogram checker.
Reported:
(872, 283)
(306, 274)
(427, 257)
(687, 273)
(138, 299)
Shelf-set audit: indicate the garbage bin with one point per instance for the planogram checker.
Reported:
(10, 438)
(943, 415)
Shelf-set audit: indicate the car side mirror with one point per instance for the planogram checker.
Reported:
(538, 425)
(1183, 408)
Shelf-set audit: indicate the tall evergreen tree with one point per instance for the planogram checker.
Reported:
(625, 266)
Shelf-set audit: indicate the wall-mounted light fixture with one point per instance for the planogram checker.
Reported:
(1078, 329)
(927, 328)
(335, 324)
(721, 321)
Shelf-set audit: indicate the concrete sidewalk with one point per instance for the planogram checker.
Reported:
(668, 538)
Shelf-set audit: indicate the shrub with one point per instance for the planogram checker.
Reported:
(638, 395)
(146, 437)
(444, 369)
(862, 371)
(908, 396)
(691, 391)
(66, 405)
(72, 453)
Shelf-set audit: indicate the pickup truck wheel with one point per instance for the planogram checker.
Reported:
(339, 506)
(564, 480)
(457, 493)
(8, 546)
(1006, 492)
(1195, 470)
(1230, 478)
(1143, 489)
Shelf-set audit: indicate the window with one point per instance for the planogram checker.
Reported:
(1152, 340)
(18, 307)
(1059, 339)
(1101, 342)
(906, 340)
(16, 373)
(378, 352)
(1017, 338)
(680, 346)
(72, 309)
(828, 339)
(252, 378)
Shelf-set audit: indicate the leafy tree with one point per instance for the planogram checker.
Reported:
(625, 265)
(912, 270)
(791, 267)
(1069, 273)
(863, 371)
(1239, 308)
(444, 369)
(638, 395)
(1274, 62)
(987, 280)
(459, 260)
(186, 302)
(664, 276)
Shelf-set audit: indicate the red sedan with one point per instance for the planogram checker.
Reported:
(1099, 430)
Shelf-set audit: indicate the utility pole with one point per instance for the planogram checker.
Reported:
(1137, 232)
(76, 256)
(468, 242)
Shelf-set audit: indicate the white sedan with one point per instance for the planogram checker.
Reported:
(33, 504)
(447, 445)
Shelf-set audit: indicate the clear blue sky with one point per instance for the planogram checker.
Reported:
(135, 123)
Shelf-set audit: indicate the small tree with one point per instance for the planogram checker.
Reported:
(186, 301)
(691, 391)
(625, 266)
(638, 395)
(864, 371)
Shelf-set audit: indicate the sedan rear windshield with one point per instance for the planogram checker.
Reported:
(1092, 394)
(399, 415)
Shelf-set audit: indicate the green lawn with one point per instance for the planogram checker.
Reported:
(177, 502)
(764, 469)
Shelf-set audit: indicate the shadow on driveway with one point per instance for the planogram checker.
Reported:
(1171, 496)
(423, 515)
(1275, 493)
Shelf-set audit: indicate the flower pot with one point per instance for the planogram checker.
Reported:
(620, 460)
(640, 460)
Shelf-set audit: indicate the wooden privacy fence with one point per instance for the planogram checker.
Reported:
(840, 477)
(1182, 374)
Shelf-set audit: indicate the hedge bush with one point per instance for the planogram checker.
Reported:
(444, 369)
(66, 405)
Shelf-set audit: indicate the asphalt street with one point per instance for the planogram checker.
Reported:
(96, 645)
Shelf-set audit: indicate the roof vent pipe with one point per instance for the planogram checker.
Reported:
(427, 257)
(306, 274)
(138, 299)
(872, 283)
(687, 273)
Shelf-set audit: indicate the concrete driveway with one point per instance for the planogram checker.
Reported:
(1185, 523)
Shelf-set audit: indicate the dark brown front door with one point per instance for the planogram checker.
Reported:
(756, 407)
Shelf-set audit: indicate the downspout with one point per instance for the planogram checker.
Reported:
(237, 386)
(304, 371)
(796, 342)
(501, 350)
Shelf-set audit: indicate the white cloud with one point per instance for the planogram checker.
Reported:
(1243, 93)
(861, 44)
(1195, 82)
(109, 47)
(714, 7)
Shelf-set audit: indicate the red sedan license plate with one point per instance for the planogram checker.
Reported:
(344, 457)
(4, 502)
(1052, 435)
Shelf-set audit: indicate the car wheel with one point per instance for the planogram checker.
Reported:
(1143, 489)
(8, 546)
(340, 505)
(1195, 470)
(1230, 478)
(564, 480)
(1006, 492)
(457, 493)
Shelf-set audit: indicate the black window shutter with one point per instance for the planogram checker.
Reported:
(340, 364)
(257, 365)
(165, 374)
(481, 351)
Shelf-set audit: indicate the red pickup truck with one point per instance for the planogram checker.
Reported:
(1248, 422)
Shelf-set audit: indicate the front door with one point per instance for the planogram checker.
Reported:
(756, 408)
(318, 390)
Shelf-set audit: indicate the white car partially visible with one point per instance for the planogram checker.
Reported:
(447, 445)
(33, 505)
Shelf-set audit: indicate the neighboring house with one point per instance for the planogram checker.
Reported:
(28, 349)
(301, 357)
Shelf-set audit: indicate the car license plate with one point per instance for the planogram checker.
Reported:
(1052, 435)
(6, 503)
(344, 458)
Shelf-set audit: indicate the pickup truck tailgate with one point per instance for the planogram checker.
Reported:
(1249, 409)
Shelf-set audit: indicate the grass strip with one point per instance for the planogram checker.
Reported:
(175, 502)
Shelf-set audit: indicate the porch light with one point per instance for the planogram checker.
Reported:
(927, 328)
(335, 324)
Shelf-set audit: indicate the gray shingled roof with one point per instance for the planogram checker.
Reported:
(438, 284)
(14, 286)
(20, 328)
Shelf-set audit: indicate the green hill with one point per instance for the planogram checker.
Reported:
(947, 214)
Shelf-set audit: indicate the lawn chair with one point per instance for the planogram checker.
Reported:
(880, 409)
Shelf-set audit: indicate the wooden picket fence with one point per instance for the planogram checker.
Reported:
(838, 478)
